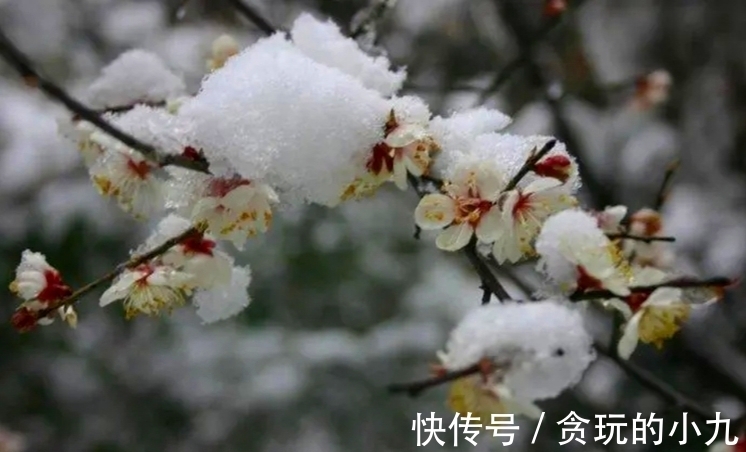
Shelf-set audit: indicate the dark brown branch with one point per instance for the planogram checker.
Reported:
(529, 164)
(663, 191)
(640, 238)
(656, 385)
(415, 388)
(520, 61)
(683, 283)
(18, 61)
(250, 13)
(110, 276)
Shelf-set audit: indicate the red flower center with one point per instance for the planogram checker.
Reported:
(554, 166)
(191, 153)
(221, 186)
(54, 288)
(586, 282)
(197, 244)
(636, 300)
(380, 157)
(472, 210)
(140, 169)
(146, 270)
(522, 204)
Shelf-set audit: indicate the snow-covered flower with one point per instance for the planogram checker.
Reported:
(149, 289)
(407, 148)
(610, 219)
(483, 399)
(129, 177)
(466, 208)
(298, 124)
(40, 285)
(525, 366)
(523, 212)
(577, 256)
(223, 48)
(37, 282)
(197, 254)
(81, 134)
(234, 208)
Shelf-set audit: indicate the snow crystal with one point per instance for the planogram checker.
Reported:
(456, 135)
(573, 226)
(135, 76)
(224, 302)
(539, 366)
(410, 110)
(324, 43)
(155, 126)
(280, 117)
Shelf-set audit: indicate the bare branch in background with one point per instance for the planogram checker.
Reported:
(663, 191)
(365, 19)
(18, 61)
(253, 16)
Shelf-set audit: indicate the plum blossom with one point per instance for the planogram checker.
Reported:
(39, 285)
(234, 208)
(483, 398)
(129, 177)
(467, 207)
(610, 219)
(652, 316)
(523, 213)
(149, 289)
(577, 256)
(648, 223)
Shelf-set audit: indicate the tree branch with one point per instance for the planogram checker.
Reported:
(663, 191)
(529, 164)
(251, 13)
(23, 66)
(415, 388)
(640, 238)
(110, 276)
(683, 283)
(368, 16)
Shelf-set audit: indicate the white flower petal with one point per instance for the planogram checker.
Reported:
(630, 337)
(454, 237)
(435, 211)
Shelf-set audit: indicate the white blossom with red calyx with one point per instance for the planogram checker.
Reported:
(127, 176)
(467, 207)
(647, 222)
(234, 208)
(149, 289)
(523, 212)
(197, 254)
(610, 219)
(576, 255)
(40, 285)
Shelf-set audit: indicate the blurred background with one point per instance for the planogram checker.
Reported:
(345, 300)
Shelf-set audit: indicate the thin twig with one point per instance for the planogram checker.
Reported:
(663, 191)
(656, 385)
(519, 62)
(640, 238)
(367, 17)
(683, 283)
(18, 61)
(415, 388)
(529, 164)
(110, 276)
(250, 13)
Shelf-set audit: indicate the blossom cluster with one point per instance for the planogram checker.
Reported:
(308, 117)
